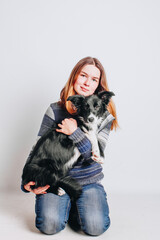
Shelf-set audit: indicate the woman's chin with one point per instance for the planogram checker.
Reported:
(82, 93)
(86, 94)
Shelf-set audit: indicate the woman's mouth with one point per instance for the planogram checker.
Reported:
(84, 89)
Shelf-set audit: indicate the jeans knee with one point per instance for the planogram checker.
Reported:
(49, 225)
(96, 228)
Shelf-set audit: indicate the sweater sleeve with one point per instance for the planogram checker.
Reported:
(103, 134)
(47, 122)
(82, 143)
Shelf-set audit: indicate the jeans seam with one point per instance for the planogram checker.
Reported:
(79, 215)
(65, 219)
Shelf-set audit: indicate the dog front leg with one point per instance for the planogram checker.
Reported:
(96, 156)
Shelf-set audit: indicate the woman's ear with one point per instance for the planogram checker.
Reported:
(76, 100)
(105, 96)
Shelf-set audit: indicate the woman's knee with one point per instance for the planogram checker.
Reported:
(50, 224)
(94, 214)
(51, 212)
(96, 227)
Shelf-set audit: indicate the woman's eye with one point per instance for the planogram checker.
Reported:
(94, 80)
(82, 75)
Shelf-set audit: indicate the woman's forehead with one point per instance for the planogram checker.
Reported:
(91, 70)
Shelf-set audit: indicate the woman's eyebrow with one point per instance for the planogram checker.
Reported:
(87, 74)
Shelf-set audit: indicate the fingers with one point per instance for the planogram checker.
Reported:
(66, 120)
(41, 190)
(31, 183)
(60, 125)
(27, 186)
(60, 130)
(73, 120)
(97, 159)
(68, 126)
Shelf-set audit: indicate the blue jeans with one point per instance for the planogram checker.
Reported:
(52, 211)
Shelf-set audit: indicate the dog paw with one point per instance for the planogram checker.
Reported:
(61, 191)
(97, 159)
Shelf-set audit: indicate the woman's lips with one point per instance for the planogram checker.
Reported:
(84, 89)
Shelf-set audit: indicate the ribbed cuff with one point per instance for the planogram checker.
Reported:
(77, 135)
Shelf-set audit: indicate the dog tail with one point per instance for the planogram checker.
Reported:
(71, 187)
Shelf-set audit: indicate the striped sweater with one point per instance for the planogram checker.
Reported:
(83, 173)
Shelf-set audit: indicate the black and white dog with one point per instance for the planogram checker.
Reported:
(54, 153)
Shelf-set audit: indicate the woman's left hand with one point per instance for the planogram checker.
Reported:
(68, 126)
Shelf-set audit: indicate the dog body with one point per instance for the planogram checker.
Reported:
(55, 153)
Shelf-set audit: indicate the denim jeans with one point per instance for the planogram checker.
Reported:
(52, 211)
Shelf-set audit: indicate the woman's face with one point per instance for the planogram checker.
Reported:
(87, 80)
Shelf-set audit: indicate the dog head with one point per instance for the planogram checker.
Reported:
(93, 107)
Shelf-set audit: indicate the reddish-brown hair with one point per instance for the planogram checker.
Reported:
(68, 89)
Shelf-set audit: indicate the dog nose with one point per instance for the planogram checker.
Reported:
(91, 119)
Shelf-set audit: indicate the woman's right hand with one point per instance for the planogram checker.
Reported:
(39, 190)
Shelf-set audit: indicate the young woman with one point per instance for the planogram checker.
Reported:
(90, 212)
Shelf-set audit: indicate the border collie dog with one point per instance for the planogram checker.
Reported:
(54, 153)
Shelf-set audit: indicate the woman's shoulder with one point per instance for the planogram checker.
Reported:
(110, 117)
(55, 105)
(58, 111)
(107, 121)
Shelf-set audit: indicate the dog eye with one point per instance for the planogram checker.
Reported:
(96, 106)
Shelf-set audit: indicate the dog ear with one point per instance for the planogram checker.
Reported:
(105, 96)
(76, 100)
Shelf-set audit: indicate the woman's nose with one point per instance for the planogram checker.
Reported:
(87, 82)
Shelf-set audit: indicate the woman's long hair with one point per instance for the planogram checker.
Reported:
(68, 89)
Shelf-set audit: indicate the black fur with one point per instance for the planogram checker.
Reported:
(54, 149)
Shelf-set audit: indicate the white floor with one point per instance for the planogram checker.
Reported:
(133, 217)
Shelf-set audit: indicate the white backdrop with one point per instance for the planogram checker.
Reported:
(40, 43)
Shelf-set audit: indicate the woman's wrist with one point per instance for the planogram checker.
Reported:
(77, 135)
(72, 131)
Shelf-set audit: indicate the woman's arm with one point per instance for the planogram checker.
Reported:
(103, 135)
(70, 128)
(84, 144)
